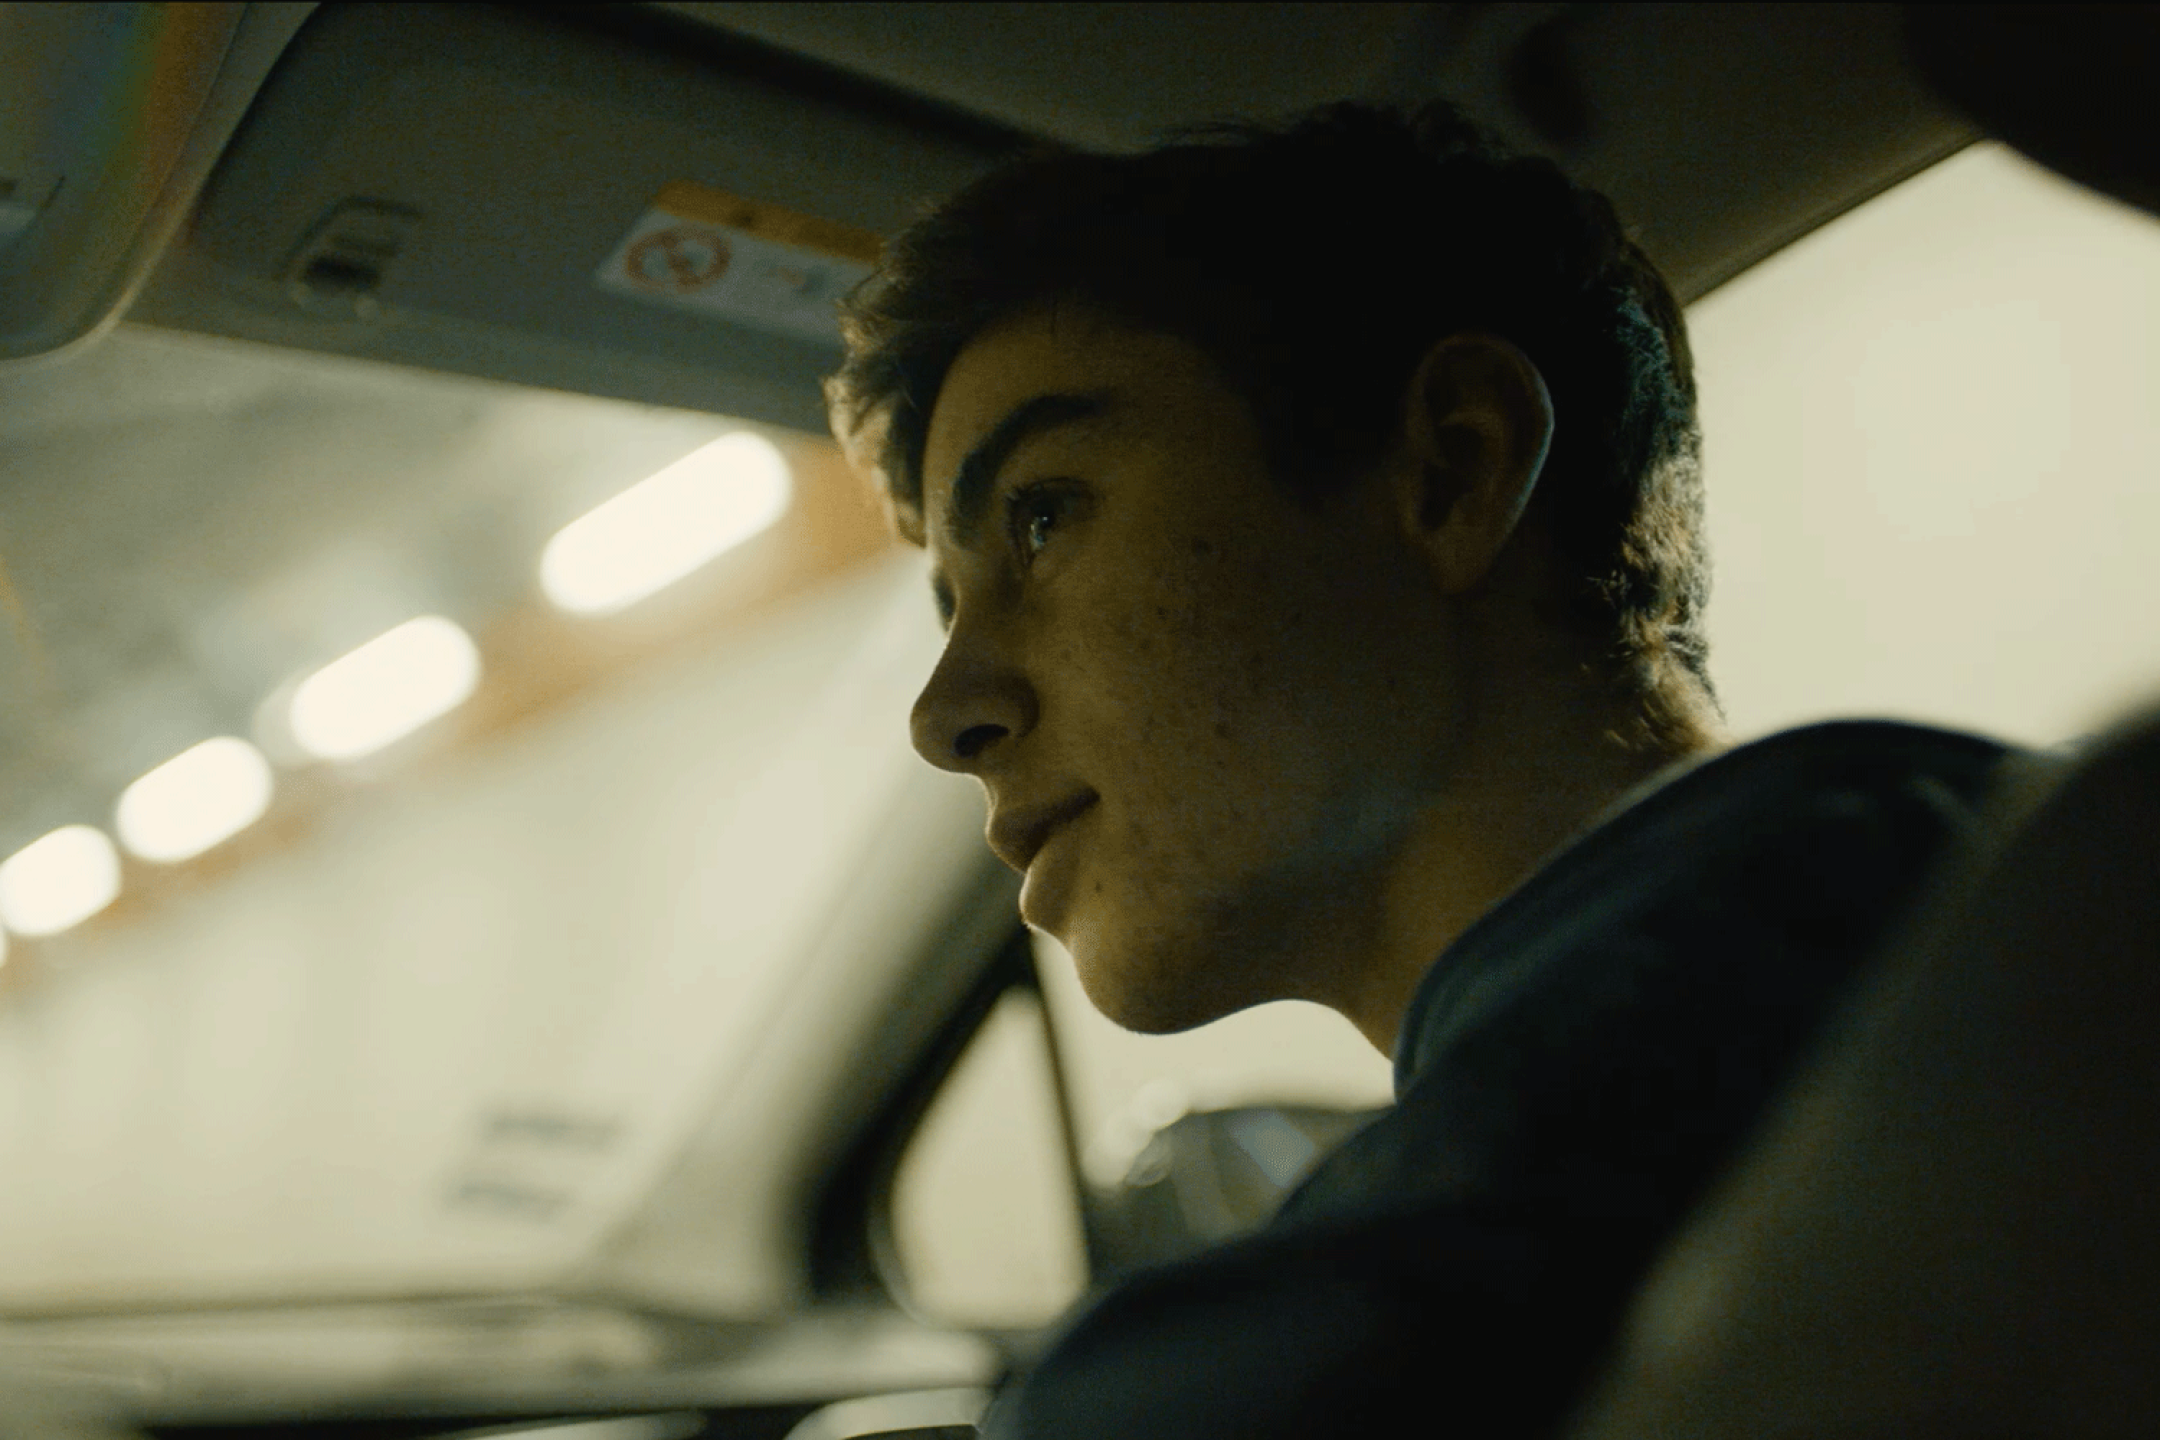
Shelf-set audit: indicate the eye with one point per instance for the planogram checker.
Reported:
(1033, 514)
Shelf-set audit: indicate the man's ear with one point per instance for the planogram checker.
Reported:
(1477, 424)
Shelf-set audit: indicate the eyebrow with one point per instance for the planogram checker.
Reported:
(978, 472)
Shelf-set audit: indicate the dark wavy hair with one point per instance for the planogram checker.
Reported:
(1315, 263)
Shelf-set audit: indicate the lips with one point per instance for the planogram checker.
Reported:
(1017, 834)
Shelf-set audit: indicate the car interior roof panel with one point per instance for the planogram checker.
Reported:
(526, 140)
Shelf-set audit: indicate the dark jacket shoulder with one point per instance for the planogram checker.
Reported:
(1571, 1073)
(1601, 1035)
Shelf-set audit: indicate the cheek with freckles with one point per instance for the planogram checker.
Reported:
(1200, 704)
(1212, 718)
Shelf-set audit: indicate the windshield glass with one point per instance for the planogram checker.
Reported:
(496, 919)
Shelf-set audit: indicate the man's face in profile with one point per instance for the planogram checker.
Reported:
(1202, 710)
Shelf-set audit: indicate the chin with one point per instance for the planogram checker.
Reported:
(1156, 988)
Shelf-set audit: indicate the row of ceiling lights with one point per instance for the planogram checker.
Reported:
(642, 540)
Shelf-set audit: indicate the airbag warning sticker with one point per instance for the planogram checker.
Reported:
(756, 264)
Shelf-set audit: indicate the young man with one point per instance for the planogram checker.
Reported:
(1315, 515)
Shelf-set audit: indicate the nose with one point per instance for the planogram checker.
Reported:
(971, 703)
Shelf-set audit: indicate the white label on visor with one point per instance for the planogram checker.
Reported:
(757, 264)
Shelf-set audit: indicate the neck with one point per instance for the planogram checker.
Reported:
(1536, 775)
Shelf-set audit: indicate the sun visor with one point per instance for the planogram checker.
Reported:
(601, 200)
(102, 109)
